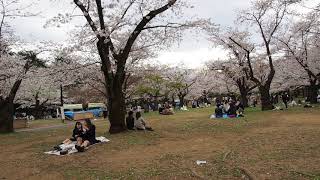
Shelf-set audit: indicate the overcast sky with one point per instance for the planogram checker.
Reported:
(193, 51)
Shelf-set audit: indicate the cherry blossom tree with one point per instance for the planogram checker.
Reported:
(180, 79)
(267, 16)
(14, 69)
(210, 81)
(235, 66)
(300, 45)
(122, 27)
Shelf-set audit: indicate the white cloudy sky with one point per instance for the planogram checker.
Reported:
(193, 51)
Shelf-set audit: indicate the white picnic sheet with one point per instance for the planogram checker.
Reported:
(71, 147)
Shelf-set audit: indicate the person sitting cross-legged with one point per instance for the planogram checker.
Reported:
(88, 137)
(77, 132)
(140, 124)
(232, 113)
(219, 111)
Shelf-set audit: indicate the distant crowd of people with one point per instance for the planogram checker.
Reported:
(166, 109)
(229, 107)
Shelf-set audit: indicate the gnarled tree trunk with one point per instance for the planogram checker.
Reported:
(181, 99)
(244, 90)
(266, 103)
(6, 116)
(244, 98)
(7, 109)
(117, 111)
(312, 93)
(114, 87)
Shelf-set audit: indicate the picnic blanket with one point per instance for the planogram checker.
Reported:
(225, 116)
(70, 148)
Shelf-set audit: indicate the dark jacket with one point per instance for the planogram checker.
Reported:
(232, 109)
(219, 111)
(130, 122)
(77, 133)
(90, 135)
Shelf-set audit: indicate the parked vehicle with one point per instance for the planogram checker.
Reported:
(71, 109)
(97, 109)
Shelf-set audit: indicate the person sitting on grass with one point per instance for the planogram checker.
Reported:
(219, 111)
(130, 121)
(140, 123)
(168, 110)
(77, 132)
(88, 137)
(232, 113)
(226, 107)
(240, 108)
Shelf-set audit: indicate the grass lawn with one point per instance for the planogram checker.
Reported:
(264, 145)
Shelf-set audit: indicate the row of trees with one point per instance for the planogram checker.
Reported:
(122, 31)
(270, 47)
(271, 39)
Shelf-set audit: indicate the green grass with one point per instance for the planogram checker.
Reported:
(270, 144)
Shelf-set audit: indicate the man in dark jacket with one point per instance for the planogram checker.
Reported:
(130, 121)
(285, 99)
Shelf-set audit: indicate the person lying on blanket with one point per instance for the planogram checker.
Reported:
(88, 136)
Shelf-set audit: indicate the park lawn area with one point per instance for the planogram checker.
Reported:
(45, 123)
(264, 145)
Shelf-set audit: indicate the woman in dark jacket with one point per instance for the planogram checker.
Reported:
(77, 132)
(88, 137)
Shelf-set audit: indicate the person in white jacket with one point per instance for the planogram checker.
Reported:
(140, 124)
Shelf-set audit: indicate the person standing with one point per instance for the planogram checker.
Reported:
(285, 99)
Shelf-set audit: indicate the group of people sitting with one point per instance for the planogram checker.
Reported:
(136, 122)
(231, 108)
(84, 134)
(166, 109)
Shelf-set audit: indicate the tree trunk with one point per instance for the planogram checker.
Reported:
(244, 98)
(244, 94)
(7, 109)
(181, 99)
(265, 98)
(61, 95)
(6, 117)
(312, 93)
(117, 111)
